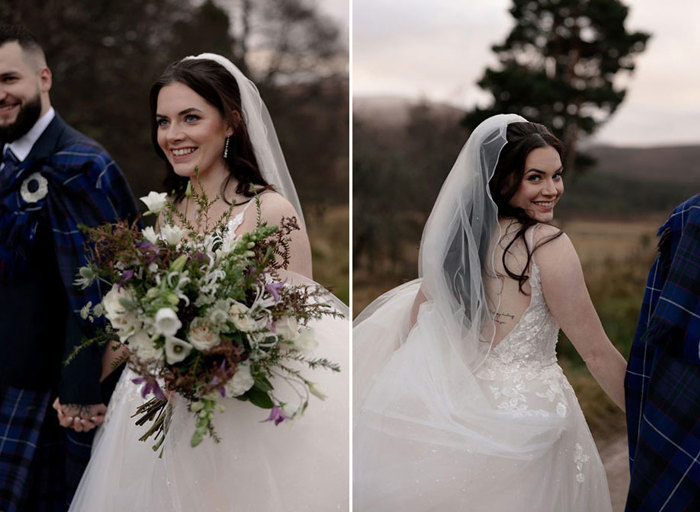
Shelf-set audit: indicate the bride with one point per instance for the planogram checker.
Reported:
(207, 114)
(459, 403)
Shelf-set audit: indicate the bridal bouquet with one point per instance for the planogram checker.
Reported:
(205, 315)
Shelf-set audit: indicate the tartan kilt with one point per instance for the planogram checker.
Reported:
(665, 474)
(40, 462)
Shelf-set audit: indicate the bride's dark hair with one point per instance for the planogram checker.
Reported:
(522, 139)
(219, 88)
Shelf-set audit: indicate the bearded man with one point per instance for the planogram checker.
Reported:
(52, 180)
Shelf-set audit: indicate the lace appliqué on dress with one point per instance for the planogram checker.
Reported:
(580, 459)
(523, 366)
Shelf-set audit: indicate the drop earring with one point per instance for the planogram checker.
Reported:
(226, 149)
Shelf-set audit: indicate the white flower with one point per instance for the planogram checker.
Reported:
(289, 410)
(85, 311)
(315, 391)
(176, 349)
(287, 327)
(167, 322)
(172, 234)
(152, 268)
(201, 334)
(241, 381)
(125, 322)
(306, 341)
(140, 343)
(240, 317)
(154, 201)
(34, 188)
(218, 316)
(150, 234)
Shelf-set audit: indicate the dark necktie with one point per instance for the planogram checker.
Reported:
(9, 163)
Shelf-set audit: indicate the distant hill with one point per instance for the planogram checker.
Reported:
(624, 181)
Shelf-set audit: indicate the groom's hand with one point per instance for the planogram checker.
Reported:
(80, 417)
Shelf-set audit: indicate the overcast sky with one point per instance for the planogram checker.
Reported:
(439, 49)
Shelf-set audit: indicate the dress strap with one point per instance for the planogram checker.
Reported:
(530, 240)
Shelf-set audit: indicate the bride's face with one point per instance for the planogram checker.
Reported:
(191, 131)
(541, 185)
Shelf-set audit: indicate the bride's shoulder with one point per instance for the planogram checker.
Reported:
(274, 206)
(555, 252)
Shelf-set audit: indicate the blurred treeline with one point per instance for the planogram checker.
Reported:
(403, 152)
(105, 54)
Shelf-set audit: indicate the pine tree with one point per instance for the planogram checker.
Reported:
(559, 66)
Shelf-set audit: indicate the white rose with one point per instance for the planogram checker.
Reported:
(125, 322)
(287, 327)
(150, 234)
(172, 234)
(167, 322)
(240, 317)
(241, 381)
(306, 341)
(155, 201)
(176, 349)
(201, 335)
(140, 343)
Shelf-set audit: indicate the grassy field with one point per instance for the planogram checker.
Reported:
(330, 246)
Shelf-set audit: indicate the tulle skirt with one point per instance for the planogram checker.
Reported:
(431, 436)
(296, 466)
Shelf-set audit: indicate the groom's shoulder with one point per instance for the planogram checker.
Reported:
(684, 214)
(77, 154)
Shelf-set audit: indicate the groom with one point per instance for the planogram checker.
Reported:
(662, 384)
(52, 179)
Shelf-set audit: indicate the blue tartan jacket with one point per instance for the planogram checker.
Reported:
(662, 384)
(67, 180)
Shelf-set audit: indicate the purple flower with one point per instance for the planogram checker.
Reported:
(144, 245)
(274, 289)
(150, 386)
(127, 274)
(276, 415)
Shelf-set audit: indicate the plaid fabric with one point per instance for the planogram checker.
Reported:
(21, 414)
(40, 462)
(662, 385)
(84, 187)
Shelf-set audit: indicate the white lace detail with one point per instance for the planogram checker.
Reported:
(523, 366)
(580, 459)
(235, 222)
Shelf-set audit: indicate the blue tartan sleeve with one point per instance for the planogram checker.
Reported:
(88, 189)
(668, 321)
(675, 323)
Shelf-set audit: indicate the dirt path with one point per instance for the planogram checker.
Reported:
(614, 456)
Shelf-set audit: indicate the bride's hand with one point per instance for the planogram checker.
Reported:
(79, 417)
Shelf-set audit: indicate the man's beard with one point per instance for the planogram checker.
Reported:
(28, 115)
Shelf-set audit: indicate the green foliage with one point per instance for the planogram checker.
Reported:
(558, 66)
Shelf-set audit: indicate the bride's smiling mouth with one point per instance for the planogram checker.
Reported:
(182, 153)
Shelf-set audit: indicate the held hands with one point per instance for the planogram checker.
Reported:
(81, 418)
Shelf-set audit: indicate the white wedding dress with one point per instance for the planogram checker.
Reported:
(297, 466)
(533, 453)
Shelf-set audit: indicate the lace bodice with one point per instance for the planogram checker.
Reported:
(533, 339)
(521, 372)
